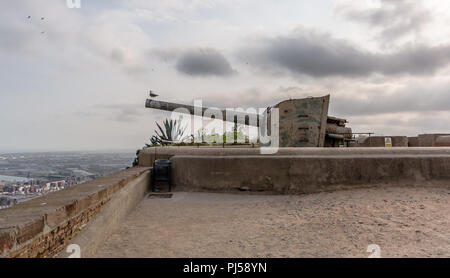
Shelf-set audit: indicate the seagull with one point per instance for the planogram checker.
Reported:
(153, 94)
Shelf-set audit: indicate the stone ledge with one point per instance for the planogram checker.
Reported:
(148, 155)
(42, 226)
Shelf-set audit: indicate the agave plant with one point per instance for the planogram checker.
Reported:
(171, 133)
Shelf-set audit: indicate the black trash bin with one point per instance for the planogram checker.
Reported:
(161, 172)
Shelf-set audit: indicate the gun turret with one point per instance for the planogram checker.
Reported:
(302, 122)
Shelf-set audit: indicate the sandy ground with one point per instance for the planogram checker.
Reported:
(403, 222)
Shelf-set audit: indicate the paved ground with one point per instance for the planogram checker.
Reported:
(404, 222)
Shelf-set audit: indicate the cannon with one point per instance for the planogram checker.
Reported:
(302, 122)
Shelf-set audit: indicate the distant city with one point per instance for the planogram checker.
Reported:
(24, 176)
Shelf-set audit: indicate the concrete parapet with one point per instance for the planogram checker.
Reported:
(42, 227)
(148, 155)
(305, 174)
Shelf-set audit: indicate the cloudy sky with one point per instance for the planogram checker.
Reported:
(78, 78)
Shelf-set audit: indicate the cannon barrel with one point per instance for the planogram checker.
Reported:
(227, 115)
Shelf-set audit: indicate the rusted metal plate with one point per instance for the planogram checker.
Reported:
(303, 121)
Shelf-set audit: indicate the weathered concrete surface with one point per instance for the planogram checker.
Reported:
(111, 216)
(42, 227)
(305, 174)
(433, 140)
(404, 222)
(443, 141)
(413, 141)
(303, 122)
(148, 155)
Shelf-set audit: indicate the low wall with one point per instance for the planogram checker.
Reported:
(305, 174)
(42, 227)
(148, 155)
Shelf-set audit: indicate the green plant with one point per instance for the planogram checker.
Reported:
(171, 133)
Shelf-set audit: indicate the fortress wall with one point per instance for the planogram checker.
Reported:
(443, 141)
(148, 155)
(306, 174)
(44, 226)
(434, 140)
(413, 141)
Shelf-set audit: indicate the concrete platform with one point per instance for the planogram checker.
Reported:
(404, 222)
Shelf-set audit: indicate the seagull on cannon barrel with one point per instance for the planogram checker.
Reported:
(153, 94)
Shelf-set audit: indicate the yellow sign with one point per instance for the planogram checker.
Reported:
(388, 142)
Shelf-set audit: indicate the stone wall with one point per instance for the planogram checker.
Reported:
(42, 227)
(306, 174)
(111, 216)
(433, 140)
(443, 141)
(413, 141)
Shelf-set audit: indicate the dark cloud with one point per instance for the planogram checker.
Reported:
(393, 18)
(320, 55)
(204, 62)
